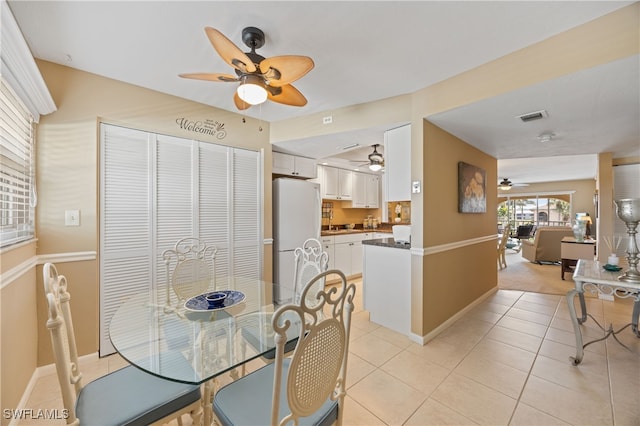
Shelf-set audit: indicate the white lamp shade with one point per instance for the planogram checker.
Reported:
(251, 91)
(375, 167)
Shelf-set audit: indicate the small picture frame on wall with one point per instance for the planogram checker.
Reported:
(472, 195)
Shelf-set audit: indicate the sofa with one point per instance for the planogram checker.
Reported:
(545, 245)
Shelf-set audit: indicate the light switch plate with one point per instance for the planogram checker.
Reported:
(72, 218)
(415, 187)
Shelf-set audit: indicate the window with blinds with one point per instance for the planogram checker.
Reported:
(17, 163)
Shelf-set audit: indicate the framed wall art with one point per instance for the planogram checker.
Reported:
(472, 196)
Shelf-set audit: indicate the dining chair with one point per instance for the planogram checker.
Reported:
(308, 387)
(309, 261)
(128, 396)
(502, 247)
(190, 269)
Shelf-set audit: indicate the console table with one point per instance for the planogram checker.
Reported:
(592, 277)
(572, 250)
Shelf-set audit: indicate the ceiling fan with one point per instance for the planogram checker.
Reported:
(506, 184)
(260, 78)
(376, 160)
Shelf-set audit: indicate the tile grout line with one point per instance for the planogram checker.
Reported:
(537, 353)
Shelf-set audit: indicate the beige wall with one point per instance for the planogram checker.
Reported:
(454, 278)
(18, 326)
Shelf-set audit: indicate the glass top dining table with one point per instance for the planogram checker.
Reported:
(190, 342)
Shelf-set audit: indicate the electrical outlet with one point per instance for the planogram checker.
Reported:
(72, 218)
(327, 120)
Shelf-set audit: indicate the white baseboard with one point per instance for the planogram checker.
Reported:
(39, 372)
(431, 335)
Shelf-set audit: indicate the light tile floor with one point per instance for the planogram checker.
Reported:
(506, 362)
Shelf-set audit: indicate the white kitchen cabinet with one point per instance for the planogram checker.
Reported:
(366, 191)
(384, 266)
(397, 163)
(328, 246)
(292, 165)
(348, 253)
(337, 183)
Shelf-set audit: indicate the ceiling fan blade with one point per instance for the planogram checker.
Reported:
(229, 52)
(240, 104)
(287, 95)
(211, 77)
(282, 70)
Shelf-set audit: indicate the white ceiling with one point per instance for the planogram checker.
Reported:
(363, 51)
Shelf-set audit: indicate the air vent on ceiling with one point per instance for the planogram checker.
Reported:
(531, 116)
(344, 148)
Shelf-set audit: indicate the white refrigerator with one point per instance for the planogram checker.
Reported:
(297, 209)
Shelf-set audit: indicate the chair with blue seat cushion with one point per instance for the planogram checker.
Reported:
(128, 396)
(309, 261)
(310, 386)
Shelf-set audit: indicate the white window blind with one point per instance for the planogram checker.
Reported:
(17, 162)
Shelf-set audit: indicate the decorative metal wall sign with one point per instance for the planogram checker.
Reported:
(472, 182)
(206, 127)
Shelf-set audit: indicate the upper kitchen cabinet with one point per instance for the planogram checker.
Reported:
(366, 191)
(291, 165)
(337, 184)
(397, 163)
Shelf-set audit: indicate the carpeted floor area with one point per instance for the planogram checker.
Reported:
(520, 274)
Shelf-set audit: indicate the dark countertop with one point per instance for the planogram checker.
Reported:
(327, 233)
(387, 242)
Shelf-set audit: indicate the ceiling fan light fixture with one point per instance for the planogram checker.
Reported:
(251, 90)
(504, 185)
(375, 166)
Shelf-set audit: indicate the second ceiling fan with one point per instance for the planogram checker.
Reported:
(506, 184)
(375, 159)
(260, 78)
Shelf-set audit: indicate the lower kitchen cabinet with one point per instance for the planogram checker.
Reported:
(328, 246)
(348, 253)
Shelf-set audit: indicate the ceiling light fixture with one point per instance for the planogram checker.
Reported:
(545, 137)
(251, 90)
(376, 161)
(375, 166)
(505, 185)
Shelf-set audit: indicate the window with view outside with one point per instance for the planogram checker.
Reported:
(538, 210)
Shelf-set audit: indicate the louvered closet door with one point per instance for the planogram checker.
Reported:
(246, 259)
(125, 226)
(214, 202)
(159, 189)
(175, 185)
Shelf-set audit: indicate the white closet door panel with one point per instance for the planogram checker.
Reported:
(125, 225)
(246, 196)
(246, 213)
(215, 194)
(174, 191)
(246, 261)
